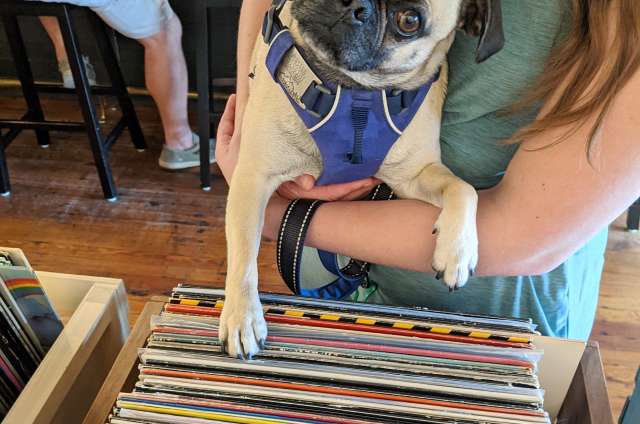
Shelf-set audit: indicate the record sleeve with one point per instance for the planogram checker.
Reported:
(330, 362)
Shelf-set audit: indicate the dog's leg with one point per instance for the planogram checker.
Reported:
(456, 253)
(243, 330)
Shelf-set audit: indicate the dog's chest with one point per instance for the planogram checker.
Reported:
(356, 136)
(354, 130)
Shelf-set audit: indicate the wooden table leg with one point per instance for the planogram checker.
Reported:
(203, 82)
(633, 217)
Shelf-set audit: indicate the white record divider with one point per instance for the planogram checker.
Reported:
(95, 313)
(557, 369)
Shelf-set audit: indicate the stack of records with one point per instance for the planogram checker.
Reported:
(28, 327)
(335, 362)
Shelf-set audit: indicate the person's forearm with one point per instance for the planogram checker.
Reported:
(399, 234)
(396, 233)
(251, 16)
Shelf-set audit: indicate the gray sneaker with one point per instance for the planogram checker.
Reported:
(67, 76)
(181, 159)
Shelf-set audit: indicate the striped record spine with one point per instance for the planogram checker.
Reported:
(483, 335)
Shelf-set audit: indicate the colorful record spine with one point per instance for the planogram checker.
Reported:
(335, 362)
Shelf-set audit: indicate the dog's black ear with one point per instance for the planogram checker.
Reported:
(483, 18)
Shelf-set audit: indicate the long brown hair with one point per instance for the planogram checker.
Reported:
(599, 56)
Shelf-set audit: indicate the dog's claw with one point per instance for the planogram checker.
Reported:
(439, 275)
(472, 272)
(242, 327)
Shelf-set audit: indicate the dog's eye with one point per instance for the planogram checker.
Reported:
(408, 22)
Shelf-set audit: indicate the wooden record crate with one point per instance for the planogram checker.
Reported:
(94, 311)
(571, 373)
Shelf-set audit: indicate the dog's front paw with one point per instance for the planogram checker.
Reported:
(456, 254)
(243, 330)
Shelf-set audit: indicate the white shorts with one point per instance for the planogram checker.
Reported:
(136, 18)
(132, 18)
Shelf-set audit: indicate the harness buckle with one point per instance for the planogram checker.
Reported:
(279, 5)
(317, 99)
(366, 283)
(272, 15)
(268, 25)
(323, 89)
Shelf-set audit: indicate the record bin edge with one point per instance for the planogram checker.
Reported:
(63, 386)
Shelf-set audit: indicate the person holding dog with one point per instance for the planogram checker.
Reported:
(546, 131)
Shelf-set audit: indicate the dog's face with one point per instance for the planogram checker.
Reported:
(370, 39)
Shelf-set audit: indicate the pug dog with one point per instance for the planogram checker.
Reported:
(362, 44)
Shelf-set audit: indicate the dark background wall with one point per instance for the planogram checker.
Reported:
(42, 57)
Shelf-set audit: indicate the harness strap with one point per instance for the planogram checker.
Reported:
(318, 100)
(315, 97)
(398, 100)
(290, 245)
(272, 24)
(289, 68)
(360, 117)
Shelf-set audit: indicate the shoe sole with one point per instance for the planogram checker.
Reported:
(173, 166)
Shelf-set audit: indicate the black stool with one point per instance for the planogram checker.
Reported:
(208, 116)
(34, 117)
(633, 217)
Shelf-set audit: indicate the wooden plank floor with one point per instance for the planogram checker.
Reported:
(165, 230)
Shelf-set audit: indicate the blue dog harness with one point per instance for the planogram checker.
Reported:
(354, 130)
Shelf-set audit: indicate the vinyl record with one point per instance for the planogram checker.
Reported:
(332, 362)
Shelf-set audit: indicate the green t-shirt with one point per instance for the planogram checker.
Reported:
(562, 302)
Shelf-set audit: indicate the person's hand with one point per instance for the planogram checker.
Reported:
(228, 140)
(303, 187)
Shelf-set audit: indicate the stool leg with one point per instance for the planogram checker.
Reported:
(5, 186)
(100, 154)
(19, 53)
(633, 217)
(204, 122)
(117, 81)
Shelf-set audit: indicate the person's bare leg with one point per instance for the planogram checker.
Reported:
(165, 74)
(167, 82)
(52, 27)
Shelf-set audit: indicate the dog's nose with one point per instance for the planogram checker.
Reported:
(359, 11)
